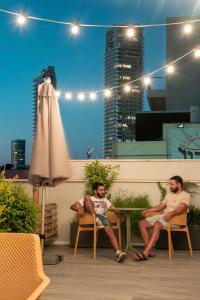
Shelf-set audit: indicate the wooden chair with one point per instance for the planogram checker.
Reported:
(88, 223)
(177, 223)
(21, 275)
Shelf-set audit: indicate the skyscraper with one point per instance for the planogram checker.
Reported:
(49, 71)
(123, 63)
(18, 150)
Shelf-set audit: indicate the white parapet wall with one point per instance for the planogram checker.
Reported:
(135, 176)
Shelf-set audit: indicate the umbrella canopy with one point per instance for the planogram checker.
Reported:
(49, 162)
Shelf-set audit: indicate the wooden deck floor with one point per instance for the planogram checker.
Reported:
(79, 278)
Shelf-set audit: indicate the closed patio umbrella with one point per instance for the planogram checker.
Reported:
(50, 156)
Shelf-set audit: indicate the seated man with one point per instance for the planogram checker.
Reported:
(98, 205)
(176, 202)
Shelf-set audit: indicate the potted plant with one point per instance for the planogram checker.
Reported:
(18, 212)
(94, 172)
(179, 240)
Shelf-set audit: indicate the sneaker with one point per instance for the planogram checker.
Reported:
(121, 256)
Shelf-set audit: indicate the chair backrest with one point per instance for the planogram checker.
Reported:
(113, 217)
(87, 219)
(21, 269)
(179, 220)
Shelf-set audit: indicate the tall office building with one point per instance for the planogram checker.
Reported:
(18, 150)
(49, 71)
(123, 63)
(183, 87)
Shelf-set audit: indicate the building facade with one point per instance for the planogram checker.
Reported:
(123, 64)
(49, 71)
(18, 150)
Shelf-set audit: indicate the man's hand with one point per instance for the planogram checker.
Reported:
(144, 213)
(168, 216)
(80, 211)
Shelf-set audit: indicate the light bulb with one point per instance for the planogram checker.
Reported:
(127, 88)
(58, 94)
(130, 32)
(147, 80)
(68, 96)
(81, 97)
(170, 69)
(75, 29)
(197, 53)
(107, 93)
(21, 19)
(187, 28)
(93, 96)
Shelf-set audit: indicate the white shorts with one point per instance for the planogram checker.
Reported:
(158, 218)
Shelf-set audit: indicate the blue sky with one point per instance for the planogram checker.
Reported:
(79, 61)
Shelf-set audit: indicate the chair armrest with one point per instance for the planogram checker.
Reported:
(87, 219)
(179, 219)
(151, 214)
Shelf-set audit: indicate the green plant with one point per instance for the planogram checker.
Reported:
(123, 199)
(194, 217)
(18, 212)
(97, 172)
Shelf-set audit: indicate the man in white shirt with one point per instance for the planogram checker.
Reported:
(98, 205)
(176, 202)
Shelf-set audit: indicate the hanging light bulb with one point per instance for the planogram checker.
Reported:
(107, 93)
(127, 88)
(68, 96)
(197, 53)
(187, 28)
(58, 94)
(147, 81)
(130, 32)
(93, 96)
(75, 28)
(21, 19)
(170, 69)
(81, 97)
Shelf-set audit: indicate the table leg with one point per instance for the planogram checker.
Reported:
(129, 245)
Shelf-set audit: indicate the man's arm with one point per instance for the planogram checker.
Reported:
(156, 208)
(78, 208)
(89, 205)
(182, 207)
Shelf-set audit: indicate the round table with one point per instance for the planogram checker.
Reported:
(127, 211)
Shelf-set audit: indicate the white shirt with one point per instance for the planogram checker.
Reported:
(101, 205)
(172, 200)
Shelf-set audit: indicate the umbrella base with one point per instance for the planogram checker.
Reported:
(52, 259)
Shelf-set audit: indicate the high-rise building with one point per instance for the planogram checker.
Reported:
(18, 150)
(182, 87)
(123, 64)
(49, 71)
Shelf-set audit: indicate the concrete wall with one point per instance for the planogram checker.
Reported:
(138, 176)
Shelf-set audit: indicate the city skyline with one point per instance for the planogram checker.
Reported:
(78, 62)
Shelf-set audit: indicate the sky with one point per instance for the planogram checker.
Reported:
(79, 61)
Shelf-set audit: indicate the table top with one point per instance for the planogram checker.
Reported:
(127, 209)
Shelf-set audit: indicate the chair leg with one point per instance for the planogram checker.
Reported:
(189, 242)
(76, 244)
(120, 237)
(95, 244)
(169, 244)
(172, 248)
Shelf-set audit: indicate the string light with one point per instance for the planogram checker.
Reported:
(81, 97)
(170, 69)
(21, 19)
(102, 25)
(75, 29)
(58, 94)
(107, 93)
(130, 32)
(197, 53)
(93, 96)
(147, 80)
(187, 28)
(127, 88)
(68, 96)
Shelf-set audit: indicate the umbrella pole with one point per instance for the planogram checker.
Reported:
(43, 216)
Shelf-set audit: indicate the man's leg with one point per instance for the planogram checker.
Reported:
(155, 236)
(144, 225)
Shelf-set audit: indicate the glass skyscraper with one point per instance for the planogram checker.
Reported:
(18, 149)
(123, 64)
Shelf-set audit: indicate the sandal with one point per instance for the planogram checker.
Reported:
(140, 257)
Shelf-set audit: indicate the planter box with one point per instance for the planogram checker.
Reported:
(86, 238)
(179, 240)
